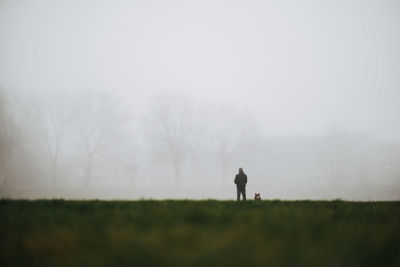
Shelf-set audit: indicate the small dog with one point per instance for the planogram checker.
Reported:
(257, 196)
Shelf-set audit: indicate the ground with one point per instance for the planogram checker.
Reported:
(199, 233)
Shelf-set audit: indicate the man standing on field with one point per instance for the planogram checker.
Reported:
(241, 181)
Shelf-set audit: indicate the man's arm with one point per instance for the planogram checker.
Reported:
(235, 181)
(245, 179)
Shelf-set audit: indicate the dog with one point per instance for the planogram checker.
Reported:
(257, 196)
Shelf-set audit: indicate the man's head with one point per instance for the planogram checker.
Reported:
(240, 170)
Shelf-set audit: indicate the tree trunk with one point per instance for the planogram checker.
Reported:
(223, 173)
(177, 170)
(54, 176)
(224, 165)
(88, 175)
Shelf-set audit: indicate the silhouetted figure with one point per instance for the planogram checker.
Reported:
(241, 181)
(257, 196)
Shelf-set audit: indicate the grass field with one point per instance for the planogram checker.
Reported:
(199, 233)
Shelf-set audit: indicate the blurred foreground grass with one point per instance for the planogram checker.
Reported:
(199, 233)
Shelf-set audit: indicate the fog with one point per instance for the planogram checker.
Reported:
(167, 99)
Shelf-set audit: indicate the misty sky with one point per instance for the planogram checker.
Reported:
(297, 65)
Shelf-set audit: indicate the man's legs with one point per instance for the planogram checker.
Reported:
(242, 191)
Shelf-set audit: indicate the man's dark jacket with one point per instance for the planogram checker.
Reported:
(241, 180)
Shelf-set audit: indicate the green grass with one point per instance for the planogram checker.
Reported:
(199, 233)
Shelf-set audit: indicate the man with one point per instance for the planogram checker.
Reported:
(241, 181)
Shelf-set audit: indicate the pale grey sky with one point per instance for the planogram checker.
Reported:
(298, 65)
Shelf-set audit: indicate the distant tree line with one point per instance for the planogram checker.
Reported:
(87, 134)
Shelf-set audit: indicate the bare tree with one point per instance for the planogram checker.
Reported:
(173, 129)
(226, 129)
(97, 120)
(50, 114)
